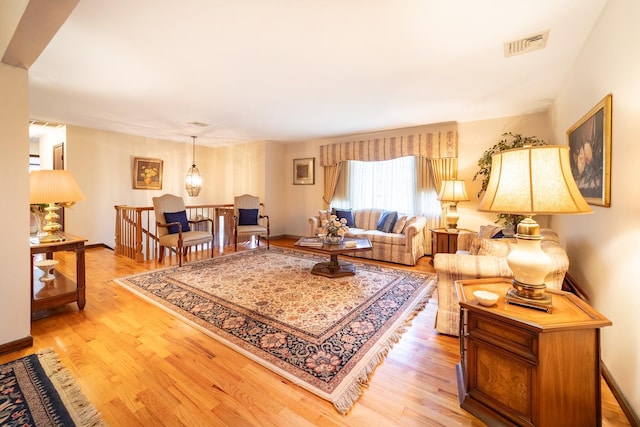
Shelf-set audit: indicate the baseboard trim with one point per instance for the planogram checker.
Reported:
(632, 417)
(16, 345)
(98, 245)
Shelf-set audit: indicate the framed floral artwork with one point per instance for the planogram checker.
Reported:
(304, 171)
(589, 142)
(147, 174)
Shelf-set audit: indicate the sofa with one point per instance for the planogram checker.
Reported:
(482, 257)
(404, 243)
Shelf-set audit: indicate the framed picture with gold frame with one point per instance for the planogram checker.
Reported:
(304, 171)
(147, 174)
(589, 141)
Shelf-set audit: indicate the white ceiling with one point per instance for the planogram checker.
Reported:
(293, 70)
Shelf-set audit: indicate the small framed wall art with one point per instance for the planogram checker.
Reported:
(304, 171)
(147, 174)
(589, 143)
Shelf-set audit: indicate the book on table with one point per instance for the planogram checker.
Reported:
(310, 241)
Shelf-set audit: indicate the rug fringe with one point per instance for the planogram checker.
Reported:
(81, 410)
(345, 402)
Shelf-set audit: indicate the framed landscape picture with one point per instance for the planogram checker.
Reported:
(147, 174)
(303, 171)
(589, 141)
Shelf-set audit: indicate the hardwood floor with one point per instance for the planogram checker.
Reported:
(140, 366)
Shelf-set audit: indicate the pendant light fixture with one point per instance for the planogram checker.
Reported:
(193, 180)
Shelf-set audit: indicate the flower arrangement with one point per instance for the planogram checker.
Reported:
(147, 174)
(335, 227)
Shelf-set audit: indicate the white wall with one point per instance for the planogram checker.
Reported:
(474, 139)
(603, 247)
(102, 163)
(15, 301)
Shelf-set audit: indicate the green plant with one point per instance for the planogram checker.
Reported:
(509, 140)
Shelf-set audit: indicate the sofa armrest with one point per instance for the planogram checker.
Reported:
(416, 227)
(414, 235)
(314, 224)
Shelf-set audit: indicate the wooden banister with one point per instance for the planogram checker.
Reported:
(136, 233)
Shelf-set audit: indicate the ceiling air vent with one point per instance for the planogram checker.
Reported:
(527, 44)
(198, 124)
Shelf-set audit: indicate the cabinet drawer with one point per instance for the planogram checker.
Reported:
(519, 341)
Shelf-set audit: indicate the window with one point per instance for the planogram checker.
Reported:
(388, 184)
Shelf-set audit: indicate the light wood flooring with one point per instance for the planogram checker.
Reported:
(140, 366)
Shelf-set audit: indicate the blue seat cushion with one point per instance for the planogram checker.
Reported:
(180, 217)
(248, 216)
(387, 221)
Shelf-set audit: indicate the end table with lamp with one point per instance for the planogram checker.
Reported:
(61, 289)
(50, 288)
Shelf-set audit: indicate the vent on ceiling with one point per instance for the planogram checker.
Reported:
(198, 124)
(48, 124)
(527, 44)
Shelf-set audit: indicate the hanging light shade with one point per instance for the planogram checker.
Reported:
(193, 179)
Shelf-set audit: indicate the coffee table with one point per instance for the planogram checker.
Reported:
(334, 268)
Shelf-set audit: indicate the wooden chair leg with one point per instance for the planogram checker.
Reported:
(161, 254)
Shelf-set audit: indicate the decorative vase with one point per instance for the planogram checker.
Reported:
(333, 240)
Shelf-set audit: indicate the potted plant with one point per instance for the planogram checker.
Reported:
(509, 140)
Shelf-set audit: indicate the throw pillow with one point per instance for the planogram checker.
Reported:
(398, 228)
(180, 217)
(248, 216)
(323, 215)
(488, 231)
(387, 221)
(499, 248)
(346, 214)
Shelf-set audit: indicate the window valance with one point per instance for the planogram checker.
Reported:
(432, 145)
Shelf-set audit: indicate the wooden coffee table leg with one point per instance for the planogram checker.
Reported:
(333, 268)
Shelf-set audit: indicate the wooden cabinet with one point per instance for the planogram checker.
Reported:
(444, 240)
(62, 290)
(526, 367)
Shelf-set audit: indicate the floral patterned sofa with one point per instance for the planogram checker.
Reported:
(404, 244)
(482, 258)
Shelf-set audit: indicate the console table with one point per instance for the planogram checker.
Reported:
(525, 367)
(62, 290)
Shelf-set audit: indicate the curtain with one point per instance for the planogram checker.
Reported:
(432, 145)
(444, 168)
(427, 203)
(331, 175)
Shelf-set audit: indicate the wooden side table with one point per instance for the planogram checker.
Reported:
(62, 290)
(526, 367)
(445, 240)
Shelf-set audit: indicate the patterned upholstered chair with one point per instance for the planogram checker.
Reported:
(484, 258)
(174, 229)
(248, 219)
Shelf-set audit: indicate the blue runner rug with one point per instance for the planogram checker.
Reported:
(37, 390)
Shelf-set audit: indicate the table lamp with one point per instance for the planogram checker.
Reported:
(452, 192)
(528, 181)
(53, 187)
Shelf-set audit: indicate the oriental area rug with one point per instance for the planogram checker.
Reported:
(37, 390)
(326, 335)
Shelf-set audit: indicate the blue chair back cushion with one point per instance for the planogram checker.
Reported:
(180, 217)
(248, 216)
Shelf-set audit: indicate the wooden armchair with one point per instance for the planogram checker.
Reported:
(174, 229)
(247, 219)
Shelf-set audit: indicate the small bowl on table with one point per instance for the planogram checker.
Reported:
(485, 298)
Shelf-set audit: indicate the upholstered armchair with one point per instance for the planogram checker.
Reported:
(248, 219)
(484, 258)
(174, 229)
